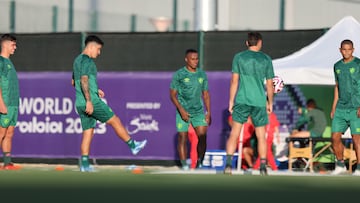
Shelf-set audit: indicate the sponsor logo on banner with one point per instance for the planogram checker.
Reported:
(143, 121)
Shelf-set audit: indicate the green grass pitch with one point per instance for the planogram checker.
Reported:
(116, 184)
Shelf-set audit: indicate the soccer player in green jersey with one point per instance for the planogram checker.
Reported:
(89, 105)
(189, 93)
(250, 68)
(345, 110)
(9, 99)
(314, 117)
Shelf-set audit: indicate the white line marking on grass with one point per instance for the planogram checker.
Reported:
(235, 172)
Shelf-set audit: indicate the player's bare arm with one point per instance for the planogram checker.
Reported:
(206, 97)
(101, 93)
(336, 98)
(84, 81)
(270, 94)
(3, 108)
(184, 114)
(233, 88)
(72, 80)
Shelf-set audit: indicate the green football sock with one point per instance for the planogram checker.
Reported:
(229, 160)
(183, 162)
(199, 162)
(262, 163)
(358, 167)
(85, 161)
(340, 163)
(131, 143)
(7, 158)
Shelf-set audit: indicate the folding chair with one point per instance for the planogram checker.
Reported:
(303, 151)
(349, 154)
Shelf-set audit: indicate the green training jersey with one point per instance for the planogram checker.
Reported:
(347, 75)
(189, 86)
(84, 65)
(253, 68)
(316, 120)
(9, 83)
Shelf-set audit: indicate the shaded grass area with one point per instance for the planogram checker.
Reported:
(122, 185)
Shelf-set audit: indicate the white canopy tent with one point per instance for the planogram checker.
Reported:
(313, 64)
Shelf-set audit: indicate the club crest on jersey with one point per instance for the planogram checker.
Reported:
(352, 70)
(201, 80)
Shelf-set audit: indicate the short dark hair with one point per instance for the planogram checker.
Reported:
(93, 38)
(8, 37)
(190, 51)
(347, 41)
(311, 103)
(253, 38)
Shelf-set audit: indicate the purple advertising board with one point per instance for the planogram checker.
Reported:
(49, 127)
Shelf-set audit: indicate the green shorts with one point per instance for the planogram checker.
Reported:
(102, 112)
(343, 119)
(9, 119)
(195, 120)
(259, 115)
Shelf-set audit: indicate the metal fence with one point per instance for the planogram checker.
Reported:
(150, 51)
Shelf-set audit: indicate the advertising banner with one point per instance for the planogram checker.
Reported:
(49, 127)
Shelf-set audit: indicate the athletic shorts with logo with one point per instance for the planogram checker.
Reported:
(195, 120)
(9, 119)
(259, 115)
(344, 118)
(102, 112)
